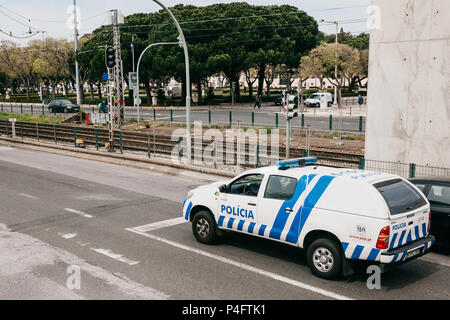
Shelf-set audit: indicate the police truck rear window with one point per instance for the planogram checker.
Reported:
(400, 196)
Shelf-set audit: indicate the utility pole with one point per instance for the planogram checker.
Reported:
(335, 65)
(340, 143)
(77, 69)
(119, 100)
(132, 50)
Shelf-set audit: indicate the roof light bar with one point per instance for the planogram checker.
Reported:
(300, 162)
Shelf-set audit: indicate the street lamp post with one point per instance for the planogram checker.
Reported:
(188, 81)
(77, 68)
(138, 102)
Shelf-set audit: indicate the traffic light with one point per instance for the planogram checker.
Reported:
(291, 104)
(110, 57)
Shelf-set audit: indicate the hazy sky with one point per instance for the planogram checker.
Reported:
(52, 15)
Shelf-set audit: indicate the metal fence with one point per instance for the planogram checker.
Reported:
(406, 170)
(331, 123)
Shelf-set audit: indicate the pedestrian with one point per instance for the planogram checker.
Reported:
(257, 102)
(360, 101)
(102, 107)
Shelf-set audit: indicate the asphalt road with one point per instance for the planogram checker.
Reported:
(60, 212)
(267, 116)
(260, 118)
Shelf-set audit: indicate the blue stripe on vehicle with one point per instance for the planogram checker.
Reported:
(220, 222)
(403, 255)
(416, 229)
(357, 252)
(373, 254)
(241, 225)
(230, 223)
(408, 238)
(303, 213)
(393, 241)
(400, 241)
(395, 258)
(184, 202)
(425, 246)
(188, 210)
(282, 216)
(251, 227)
(344, 246)
(262, 228)
(424, 229)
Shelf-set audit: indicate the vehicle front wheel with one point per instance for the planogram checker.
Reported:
(204, 227)
(325, 258)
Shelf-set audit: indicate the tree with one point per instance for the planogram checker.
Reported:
(312, 66)
(227, 38)
(53, 63)
(18, 63)
(344, 57)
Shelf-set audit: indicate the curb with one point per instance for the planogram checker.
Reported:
(160, 162)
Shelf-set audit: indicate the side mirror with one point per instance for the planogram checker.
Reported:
(223, 188)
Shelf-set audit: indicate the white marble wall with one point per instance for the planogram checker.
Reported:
(408, 118)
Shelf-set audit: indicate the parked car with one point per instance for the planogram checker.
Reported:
(279, 101)
(64, 106)
(437, 191)
(313, 100)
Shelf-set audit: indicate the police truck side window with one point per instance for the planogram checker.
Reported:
(281, 188)
(247, 185)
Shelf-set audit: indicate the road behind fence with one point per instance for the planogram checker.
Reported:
(350, 124)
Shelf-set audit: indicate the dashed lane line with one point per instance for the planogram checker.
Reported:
(29, 196)
(115, 256)
(159, 224)
(80, 213)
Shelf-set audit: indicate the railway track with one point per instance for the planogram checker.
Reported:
(165, 145)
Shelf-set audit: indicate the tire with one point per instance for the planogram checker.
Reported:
(325, 258)
(204, 227)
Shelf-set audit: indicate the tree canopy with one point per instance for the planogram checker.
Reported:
(222, 38)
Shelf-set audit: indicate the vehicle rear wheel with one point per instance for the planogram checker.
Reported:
(204, 227)
(325, 258)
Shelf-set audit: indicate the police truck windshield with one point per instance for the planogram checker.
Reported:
(400, 196)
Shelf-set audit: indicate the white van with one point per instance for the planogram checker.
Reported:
(314, 100)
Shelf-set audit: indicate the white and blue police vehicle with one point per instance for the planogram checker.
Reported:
(336, 215)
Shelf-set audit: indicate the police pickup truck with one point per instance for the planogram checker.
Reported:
(336, 215)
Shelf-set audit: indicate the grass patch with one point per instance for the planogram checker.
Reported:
(32, 118)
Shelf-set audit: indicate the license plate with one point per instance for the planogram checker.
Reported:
(413, 253)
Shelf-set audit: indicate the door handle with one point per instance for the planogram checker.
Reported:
(251, 204)
(288, 210)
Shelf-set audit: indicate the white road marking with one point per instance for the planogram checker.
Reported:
(115, 256)
(5, 148)
(159, 224)
(246, 267)
(68, 235)
(80, 213)
(29, 196)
